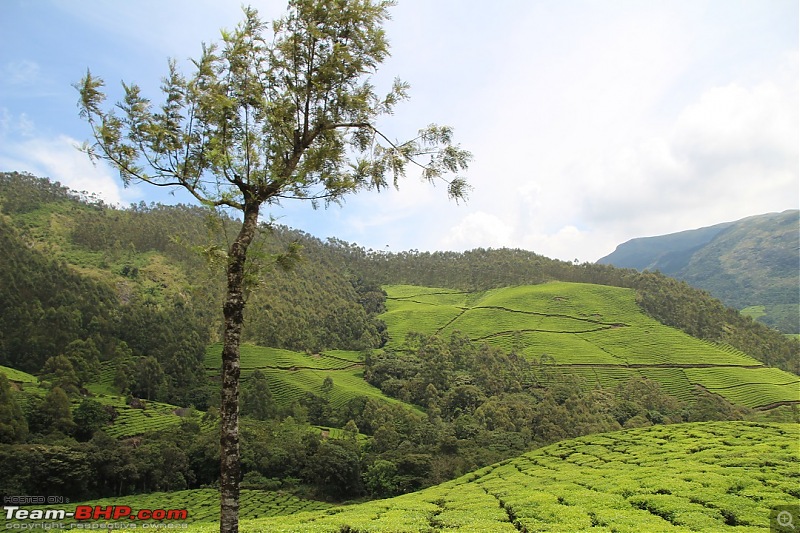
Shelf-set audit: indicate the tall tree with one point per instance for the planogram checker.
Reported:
(274, 112)
(13, 426)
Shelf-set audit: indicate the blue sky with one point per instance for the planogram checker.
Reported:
(591, 121)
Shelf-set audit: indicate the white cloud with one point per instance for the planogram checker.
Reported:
(20, 125)
(567, 243)
(732, 124)
(59, 159)
(22, 73)
(591, 122)
(479, 229)
(731, 153)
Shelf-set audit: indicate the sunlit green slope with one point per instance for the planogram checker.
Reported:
(128, 421)
(292, 375)
(595, 331)
(716, 477)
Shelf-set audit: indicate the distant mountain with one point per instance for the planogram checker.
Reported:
(752, 264)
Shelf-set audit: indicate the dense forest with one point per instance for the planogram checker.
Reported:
(84, 284)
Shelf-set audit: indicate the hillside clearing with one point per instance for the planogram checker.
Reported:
(292, 375)
(597, 332)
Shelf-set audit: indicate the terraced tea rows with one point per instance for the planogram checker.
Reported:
(133, 421)
(129, 421)
(291, 375)
(252, 357)
(758, 387)
(594, 331)
(203, 504)
(716, 477)
(673, 380)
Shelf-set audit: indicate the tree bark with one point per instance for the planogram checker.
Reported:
(233, 312)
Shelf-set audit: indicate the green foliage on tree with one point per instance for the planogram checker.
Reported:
(89, 417)
(84, 357)
(264, 118)
(13, 426)
(257, 398)
(148, 378)
(55, 413)
(335, 465)
(60, 372)
(380, 479)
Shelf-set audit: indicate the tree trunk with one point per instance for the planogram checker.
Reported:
(233, 312)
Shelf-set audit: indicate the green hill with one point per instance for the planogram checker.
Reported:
(117, 304)
(128, 421)
(292, 375)
(713, 477)
(594, 331)
(750, 264)
(77, 269)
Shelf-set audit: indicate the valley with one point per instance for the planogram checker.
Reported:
(489, 390)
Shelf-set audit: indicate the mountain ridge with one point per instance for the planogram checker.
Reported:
(750, 264)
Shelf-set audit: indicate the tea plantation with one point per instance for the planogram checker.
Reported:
(128, 421)
(202, 505)
(713, 476)
(293, 374)
(597, 332)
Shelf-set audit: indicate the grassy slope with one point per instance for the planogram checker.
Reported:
(129, 421)
(719, 476)
(18, 376)
(597, 332)
(293, 374)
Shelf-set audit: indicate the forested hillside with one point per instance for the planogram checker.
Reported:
(60, 323)
(142, 265)
(671, 302)
(106, 275)
(749, 264)
(110, 318)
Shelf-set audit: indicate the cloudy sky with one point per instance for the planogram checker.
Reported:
(591, 121)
